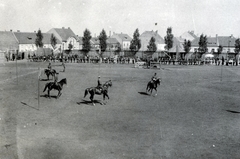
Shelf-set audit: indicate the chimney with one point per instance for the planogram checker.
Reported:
(18, 30)
(109, 33)
(11, 30)
(68, 27)
(217, 40)
(62, 27)
(156, 31)
(95, 35)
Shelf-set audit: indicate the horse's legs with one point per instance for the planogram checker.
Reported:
(59, 94)
(49, 93)
(105, 94)
(156, 91)
(91, 98)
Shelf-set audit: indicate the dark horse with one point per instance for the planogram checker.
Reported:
(58, 86)
(153, 85)
(51, 72)
(94, 90)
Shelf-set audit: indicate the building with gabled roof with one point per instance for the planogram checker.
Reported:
(189, 35)
(8, 41)
(8, 45)
(145, 39)
(123, 39)
(62, 34)
(76, 41)
(26, 41)
(112, 44)
(213, 43)
(95, 43)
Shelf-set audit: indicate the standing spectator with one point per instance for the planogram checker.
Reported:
(63, 66)
(222, 60)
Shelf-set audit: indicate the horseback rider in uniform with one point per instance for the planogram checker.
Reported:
(99, 86)
(50, 67)
(154, 78)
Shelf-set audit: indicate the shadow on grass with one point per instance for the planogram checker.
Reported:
(45, 79)
(232, 111)
(29, 105)
(144, 93)
(88, 102)
(46, 96)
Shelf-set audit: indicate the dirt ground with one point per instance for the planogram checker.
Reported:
(196, 113)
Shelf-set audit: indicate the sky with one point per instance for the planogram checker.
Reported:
(208, 17)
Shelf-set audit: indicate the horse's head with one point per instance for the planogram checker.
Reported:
(158, 80)
(108, 83)
(63, 81)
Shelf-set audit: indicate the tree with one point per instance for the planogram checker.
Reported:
(202, 44)
(70, 46)
(187, 46)
(86, 40)
(152, 46)
(220, 49)
(168, 39)
(53, 41)
(39, 39)
(103, 40)
(136, 42)
(237, 46)
(237, 50)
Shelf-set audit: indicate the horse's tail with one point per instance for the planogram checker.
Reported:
(46, 85)
(86, 92)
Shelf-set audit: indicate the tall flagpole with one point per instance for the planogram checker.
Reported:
(16, 66)
(39, 76)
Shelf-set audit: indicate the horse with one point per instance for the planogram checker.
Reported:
(94, 90)
(153, 85)
(57, 86)
(51, 72)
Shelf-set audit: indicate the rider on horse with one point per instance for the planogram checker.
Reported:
(154, 78)
(49, 66)
(99, 86)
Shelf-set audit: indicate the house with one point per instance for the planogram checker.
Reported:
(76, 43)
(178, 49)
(8, 45)
(95, 43)
(123, 39)
(189, 35)
(26, 42)
(145, 38)
(213, 43)
(62, 34)
(112, 44)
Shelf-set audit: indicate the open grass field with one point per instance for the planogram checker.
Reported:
(196, 113)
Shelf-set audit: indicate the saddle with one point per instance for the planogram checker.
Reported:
(99, 90)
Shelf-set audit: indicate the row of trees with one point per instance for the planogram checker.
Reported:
(135, 44)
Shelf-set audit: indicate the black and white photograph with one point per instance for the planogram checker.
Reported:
(122, 79)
